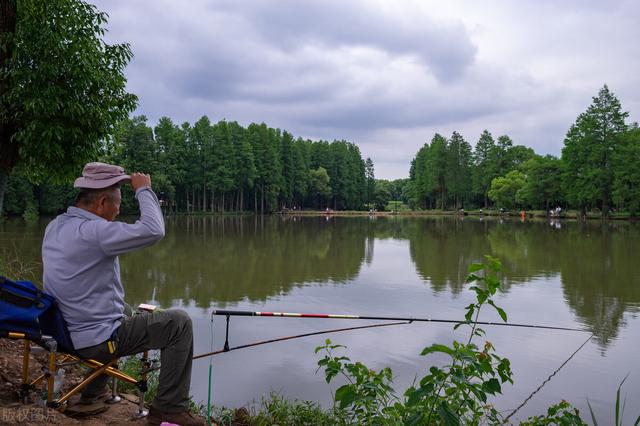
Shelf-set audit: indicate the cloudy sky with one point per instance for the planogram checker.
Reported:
(385, 75)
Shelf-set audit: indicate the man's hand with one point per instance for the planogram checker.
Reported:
(138, 180)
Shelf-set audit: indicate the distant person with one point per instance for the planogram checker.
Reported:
(81, 270)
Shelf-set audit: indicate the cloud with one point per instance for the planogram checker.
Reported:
(384, 74)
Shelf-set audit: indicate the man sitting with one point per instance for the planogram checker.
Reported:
(81, 270)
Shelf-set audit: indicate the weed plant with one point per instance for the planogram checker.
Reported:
(455, 394)
(132, 365)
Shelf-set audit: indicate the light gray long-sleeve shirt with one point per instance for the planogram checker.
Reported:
(81, 268)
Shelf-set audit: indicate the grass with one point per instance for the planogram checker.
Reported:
(274, 410)
(619, 413)
(132, 366)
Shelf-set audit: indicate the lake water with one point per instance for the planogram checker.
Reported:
(566, 274)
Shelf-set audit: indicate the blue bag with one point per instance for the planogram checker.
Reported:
(22, 305)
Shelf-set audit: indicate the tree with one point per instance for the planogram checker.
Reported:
(300, 171)
(320, 185)
(62, 88)
(518, 155)
(371, 180)
(458, 168)
(589, 149)
(417, 175)
(383, 194)
(246, 173)
(504, 189)
(171, 142)
(201, 153)
(543, 182)
(264, 142)
(482, 173)
(626, 181)
(435, 171)
(223, 164)
(288, 169)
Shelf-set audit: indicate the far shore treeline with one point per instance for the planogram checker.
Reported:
(599, 168)
(221, 167)
(224, 167)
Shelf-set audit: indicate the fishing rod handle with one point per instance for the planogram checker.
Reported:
(232, 313)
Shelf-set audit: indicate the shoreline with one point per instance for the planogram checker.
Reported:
(573, 215)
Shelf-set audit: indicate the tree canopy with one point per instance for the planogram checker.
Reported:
(598, 167)
(590, 150)
(223, 166)
(62, 88)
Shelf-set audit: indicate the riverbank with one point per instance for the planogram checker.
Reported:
(539, 214)
(13, 411)
(274, 410)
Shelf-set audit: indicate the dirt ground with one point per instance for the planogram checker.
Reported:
(13, 411)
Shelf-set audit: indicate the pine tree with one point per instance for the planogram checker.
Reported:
(589, 150)
(482, 175)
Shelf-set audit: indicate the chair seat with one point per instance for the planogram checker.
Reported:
(28, 313)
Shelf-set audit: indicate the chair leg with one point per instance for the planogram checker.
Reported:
(115, 398)
(24, 387)
(51, 376)
(85, 382)
(142, 411)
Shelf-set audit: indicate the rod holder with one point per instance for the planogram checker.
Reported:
(226, 336)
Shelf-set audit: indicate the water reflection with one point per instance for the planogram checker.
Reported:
(598, 275)
(595, 261)
(228, 259)
(225, 260)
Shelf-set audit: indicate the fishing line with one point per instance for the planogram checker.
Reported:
(297, 336)
(210, 370)
(547, 380)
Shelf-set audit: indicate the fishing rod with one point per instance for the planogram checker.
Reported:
(296, 336)
(228, 313)
(402, 320)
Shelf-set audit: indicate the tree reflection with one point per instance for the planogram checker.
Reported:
(227, 259)
(595, 261)
(598, 275)
(443, 248)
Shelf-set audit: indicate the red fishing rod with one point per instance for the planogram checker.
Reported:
(378, 318)
(402, 320)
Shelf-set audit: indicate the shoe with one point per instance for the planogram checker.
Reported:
(92, 399)
(183, 418)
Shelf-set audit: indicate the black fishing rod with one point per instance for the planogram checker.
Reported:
(228, 313)
(296, 336)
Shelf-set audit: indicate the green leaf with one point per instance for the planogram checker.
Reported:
(346, 395)
(494, 263)
(437, 348)
(415, 419)
(455, 327)
(593, 416)
(473, 277)
(501, 311)
(448, 416)
(618, 413)
(492, 284)
(492, 386)
(475, 267)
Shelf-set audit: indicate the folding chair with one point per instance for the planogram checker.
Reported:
(29, 314)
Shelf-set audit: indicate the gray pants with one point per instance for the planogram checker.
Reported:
(171, 332)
